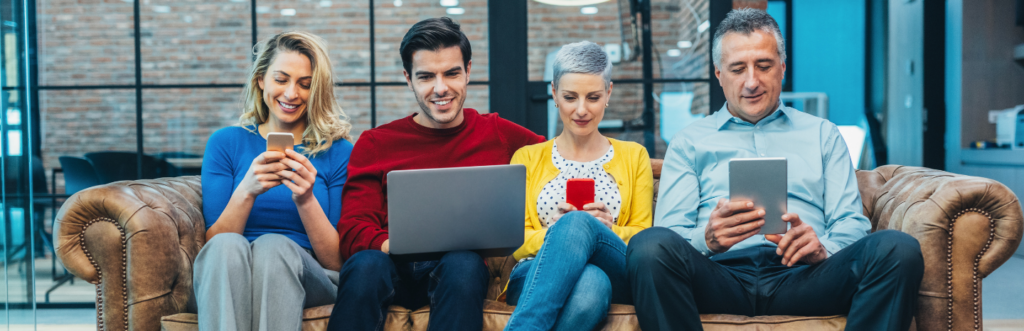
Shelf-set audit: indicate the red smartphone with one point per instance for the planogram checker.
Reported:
(579, 192)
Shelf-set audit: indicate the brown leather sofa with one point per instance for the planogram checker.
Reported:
(136, 241)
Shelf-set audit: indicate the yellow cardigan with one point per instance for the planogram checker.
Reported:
(631, 169)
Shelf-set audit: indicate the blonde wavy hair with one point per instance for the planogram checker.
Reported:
(325, 120)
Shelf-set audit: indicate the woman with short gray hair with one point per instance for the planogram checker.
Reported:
(572, 264)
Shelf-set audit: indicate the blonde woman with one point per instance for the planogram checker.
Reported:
(573, 262)
(272, 247)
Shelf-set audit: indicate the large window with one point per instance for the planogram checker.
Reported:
(155, 78)
(679, 41)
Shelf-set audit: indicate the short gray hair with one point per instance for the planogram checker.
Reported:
(746, 21)
(582, 58)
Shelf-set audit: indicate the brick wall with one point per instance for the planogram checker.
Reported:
(90, 42)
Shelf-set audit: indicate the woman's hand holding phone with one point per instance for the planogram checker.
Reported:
(579, 193)
(262, 174)
(600, 212)
(596, 209)
(562, 209)
(298, 174)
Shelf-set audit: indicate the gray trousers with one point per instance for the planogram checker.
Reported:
(263, 285)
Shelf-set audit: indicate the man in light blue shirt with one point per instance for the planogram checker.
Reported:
(705, 256)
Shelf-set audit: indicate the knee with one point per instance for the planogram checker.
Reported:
(275, 252)
(366, 265)
(364, 276)
(462, 260)
(593, 290)
(650, 245)
(225, 249)
(575, 224)
(275, 246)
(896, 248)
(575, 220)
(461, 267)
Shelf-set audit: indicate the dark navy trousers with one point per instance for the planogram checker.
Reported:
(874, 282)
(370, 281)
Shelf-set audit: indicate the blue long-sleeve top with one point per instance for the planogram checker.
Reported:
(229, 153)
(821, 189)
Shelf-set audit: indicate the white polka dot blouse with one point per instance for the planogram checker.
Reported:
(605, 189)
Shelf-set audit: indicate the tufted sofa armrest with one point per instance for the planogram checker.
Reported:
(967, 227)
(136, 241)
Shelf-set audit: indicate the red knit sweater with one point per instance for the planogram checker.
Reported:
(403, 144)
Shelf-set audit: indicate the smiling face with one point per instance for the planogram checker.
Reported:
(286, 89)
(581, 100)
(752, 74)
(439, 79)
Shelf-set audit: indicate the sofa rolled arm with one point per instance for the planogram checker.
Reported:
(967, 227)
(136, 240)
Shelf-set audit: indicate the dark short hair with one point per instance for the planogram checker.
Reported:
(433, 34)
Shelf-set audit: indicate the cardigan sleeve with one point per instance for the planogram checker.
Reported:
(642, 197)
(534, 236)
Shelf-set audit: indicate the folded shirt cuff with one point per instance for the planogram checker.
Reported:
(830, 247)
(698, 242)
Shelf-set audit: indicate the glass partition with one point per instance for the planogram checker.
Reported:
(21, 216)
(87, 84)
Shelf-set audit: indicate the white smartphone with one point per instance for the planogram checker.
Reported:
(763, 182)
(280, 141)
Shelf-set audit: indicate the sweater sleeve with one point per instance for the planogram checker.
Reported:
(517, 136)
(217, 175)
(534, 236)
(363, 221)
(642, 197)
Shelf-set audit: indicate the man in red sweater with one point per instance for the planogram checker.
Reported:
(436, 56)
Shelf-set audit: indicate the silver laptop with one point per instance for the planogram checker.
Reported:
(434, 211)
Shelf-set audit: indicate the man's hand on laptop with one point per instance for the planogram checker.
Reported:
(800, 242)
(386, 247)
(732, 222)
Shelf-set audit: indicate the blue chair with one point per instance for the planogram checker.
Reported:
(79, 174)
(115, 166)
(175, 170)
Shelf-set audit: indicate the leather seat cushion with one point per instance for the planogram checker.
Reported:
(496, 315)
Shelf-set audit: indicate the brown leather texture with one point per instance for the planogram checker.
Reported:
(967, 227)
(496, 315)
(137, 239)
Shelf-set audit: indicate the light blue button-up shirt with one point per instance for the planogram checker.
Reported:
(822, 186)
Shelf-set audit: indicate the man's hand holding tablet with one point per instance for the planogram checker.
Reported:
(758, 189)
(799, 243)
(732, 222)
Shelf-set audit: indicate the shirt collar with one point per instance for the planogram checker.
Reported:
(723, 116)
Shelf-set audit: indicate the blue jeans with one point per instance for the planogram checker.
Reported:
(453, 286)
(578, 272)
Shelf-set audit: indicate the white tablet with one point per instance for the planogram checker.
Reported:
(762, 181)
